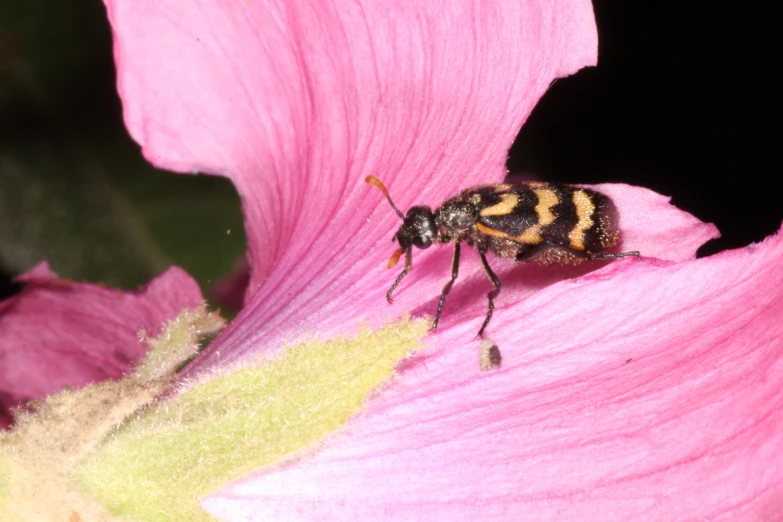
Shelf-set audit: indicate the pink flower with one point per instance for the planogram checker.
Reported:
(57, 333)
(644, 390)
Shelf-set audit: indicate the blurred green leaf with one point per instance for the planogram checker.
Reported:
(74, 189)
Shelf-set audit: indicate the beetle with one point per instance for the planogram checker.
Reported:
(528, 221)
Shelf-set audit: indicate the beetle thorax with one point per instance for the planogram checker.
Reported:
(454, 219)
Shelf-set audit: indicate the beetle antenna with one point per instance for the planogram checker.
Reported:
(375, 182)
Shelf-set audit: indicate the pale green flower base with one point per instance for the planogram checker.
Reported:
(158, 464)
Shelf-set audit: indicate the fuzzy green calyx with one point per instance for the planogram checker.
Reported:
(158, 464)
(46, 443)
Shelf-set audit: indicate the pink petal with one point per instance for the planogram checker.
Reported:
(644, 391)
(201, 92)
(230, 291)
(299, 101)
(58, 333)
(651, 225)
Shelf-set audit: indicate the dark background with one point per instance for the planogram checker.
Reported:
(683, 101)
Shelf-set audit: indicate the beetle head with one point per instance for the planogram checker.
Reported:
(417, 229)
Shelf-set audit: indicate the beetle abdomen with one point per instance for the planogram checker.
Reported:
(523, 219)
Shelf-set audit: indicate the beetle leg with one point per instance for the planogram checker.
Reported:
(492, 293)
(635, 253)
(447, 286)
(408, 264)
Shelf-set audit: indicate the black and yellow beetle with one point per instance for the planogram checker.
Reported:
(530, 221)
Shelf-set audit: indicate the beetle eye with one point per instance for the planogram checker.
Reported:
(422, 242)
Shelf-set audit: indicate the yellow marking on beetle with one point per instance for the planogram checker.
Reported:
(547, 199)
(508, 203)
(585, 208)
(528, 237)
(537, 184)
(531, 236)
(502, 187)
(493, 232)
